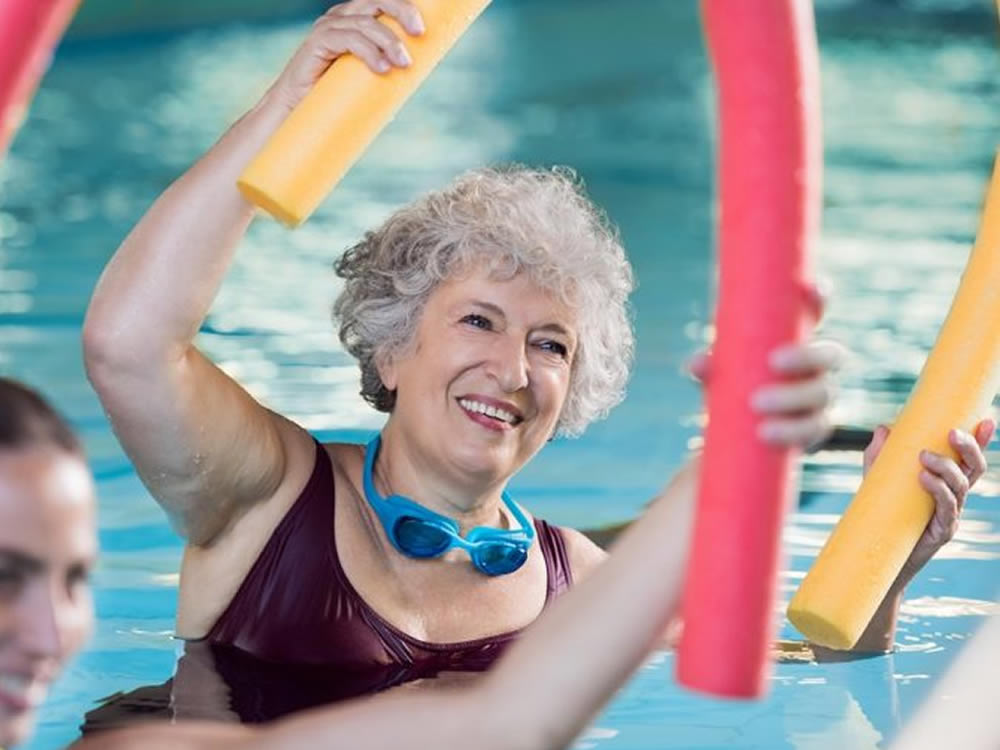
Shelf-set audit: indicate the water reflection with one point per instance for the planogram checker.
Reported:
(948, 606)
(852, 703)
(223, 683)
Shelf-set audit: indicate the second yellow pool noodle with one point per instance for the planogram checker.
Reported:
(879, 529)
(343, 113)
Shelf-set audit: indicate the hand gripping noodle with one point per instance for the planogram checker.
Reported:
(29, 32)
(880, 527)
(767, 70)
(346, 109)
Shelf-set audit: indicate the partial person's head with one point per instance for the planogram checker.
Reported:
(47, 547)
(507, 292)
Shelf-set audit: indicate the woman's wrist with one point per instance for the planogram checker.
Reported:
(259, 123)
(880, 634)
(906, 575)
(236, 148)
(271, 106)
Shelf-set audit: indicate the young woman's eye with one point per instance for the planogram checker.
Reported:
(478, 321)
(78, 576)
(11, 582)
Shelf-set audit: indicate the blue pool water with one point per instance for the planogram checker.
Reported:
(621, 91)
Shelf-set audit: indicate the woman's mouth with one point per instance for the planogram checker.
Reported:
(21, 693)
(490, 415)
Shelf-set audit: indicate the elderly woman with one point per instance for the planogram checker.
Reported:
(487, 318)
(552, 681)
(48, 545)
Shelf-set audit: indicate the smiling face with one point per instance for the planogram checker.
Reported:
(483, 385)
(47, 547)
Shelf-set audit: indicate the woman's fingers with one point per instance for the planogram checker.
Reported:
(803, 432)
(351, 27)
(814, 358)
(879, 436)
(984, 432)
(354, 27)
(815, 300)
(700, 366)
(335, 41)
(820, 355)
(949, 472)
(971, 458)
(797, 412)
(946, 480)
(944, 522)
(403, 11)
(363, 36)
(790, 398)
(375, 32)
(809, 365)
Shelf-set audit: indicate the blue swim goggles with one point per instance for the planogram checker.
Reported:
(419, 532)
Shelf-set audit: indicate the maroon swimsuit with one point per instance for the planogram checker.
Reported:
(297, 606)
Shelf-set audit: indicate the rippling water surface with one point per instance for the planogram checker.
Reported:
(620, 91)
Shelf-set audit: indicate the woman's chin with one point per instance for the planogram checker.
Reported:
(16, 728)
(482, 459)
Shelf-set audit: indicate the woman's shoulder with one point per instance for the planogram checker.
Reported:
(582, 554)
(348, 459)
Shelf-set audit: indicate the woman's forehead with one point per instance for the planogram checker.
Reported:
(47, 503)
(517, 294)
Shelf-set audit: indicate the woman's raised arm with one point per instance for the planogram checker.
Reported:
(203, 446)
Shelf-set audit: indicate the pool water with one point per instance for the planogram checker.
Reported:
(621, 91)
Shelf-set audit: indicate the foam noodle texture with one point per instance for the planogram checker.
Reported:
(767, 71)
(343, 113)
(29, 32)
(877, 533)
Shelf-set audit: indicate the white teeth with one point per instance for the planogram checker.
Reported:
(490, 411)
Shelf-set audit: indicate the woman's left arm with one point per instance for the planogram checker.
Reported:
(948, 481)
(794, 411)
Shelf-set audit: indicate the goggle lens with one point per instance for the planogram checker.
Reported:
(419, 538)
(500, 558)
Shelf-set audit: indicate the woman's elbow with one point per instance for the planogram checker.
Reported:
(102, 348)
(115, 349)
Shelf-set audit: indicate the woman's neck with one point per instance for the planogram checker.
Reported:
(470, 501)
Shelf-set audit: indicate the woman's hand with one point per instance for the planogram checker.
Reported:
(948, 481)
(350, 27)
(797, 407)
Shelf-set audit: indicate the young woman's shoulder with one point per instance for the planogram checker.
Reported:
(584, 556)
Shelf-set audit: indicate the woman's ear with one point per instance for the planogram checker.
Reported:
(386, 366)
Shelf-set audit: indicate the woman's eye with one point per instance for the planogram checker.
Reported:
(78, 576)
(555, 347)
(479, 321)
(11, 581)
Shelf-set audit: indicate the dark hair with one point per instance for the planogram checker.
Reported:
(27, 419)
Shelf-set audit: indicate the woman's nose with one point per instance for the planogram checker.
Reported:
(508, 364)
(47, 620)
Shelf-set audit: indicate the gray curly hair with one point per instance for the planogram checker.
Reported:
(509, 220)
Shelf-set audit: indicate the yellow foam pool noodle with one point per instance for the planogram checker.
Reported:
(343, 113)
(879, 529)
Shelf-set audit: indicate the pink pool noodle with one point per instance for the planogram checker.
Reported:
(767, 76)
(29, 32)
